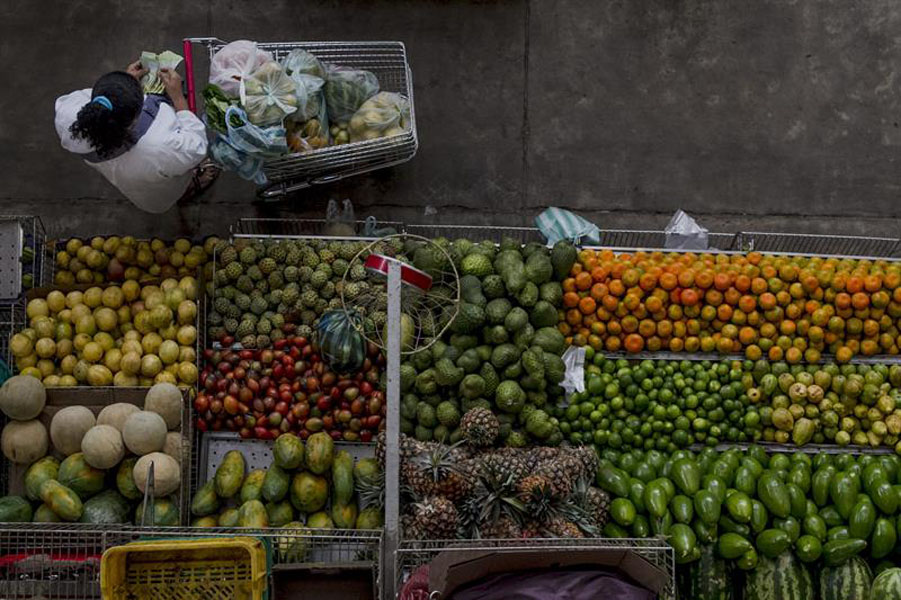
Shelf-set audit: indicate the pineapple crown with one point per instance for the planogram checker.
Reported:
(438, 462)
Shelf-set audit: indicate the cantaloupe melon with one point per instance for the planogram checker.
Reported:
(144, 432)
(68, 428)
(165, 399)
(22, 397)
(166, 473)
(23, 442)
(103, 447)
(173, 446)
(117, 414)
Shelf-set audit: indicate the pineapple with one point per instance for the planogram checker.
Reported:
(588, 456)
(434, 518)
(561, 472)
(503, 528)
(494, 510)
(437, 471)
(599, 503)
(479, 427)
(560, 527)
(510, 460)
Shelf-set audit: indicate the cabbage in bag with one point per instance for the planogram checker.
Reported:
(235, 62)
(269, 95)
(303, 63)
(340, 342)
(346, 90)
(383, 115)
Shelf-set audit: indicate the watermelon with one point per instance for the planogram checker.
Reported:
(708, 578)
(887, 585)
(848, 581)
(783, 577)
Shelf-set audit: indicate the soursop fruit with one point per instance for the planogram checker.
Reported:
(309, 298)
(254, 272)
(245, 328)
(305, 273)
(268, 265)
(319, 279)
(294, 258)
(291, 273)
(326, 256)
(358, 272)
(277, 252)
(233, 271)
(339, 267)
(228, 256)
(258, 305)
(231, 325)
(248, 256)
(244, 284)
(275, 280)
(242, 301)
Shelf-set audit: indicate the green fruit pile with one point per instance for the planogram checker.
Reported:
(261, 290)
(826, 509)
(672, 404)
(503, 350)
(306, 486)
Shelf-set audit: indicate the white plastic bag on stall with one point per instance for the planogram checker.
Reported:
(684, 233)
(269, 95)
(233, 63)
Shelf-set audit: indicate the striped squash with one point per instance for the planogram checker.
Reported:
(707, 578)
(848, 581)
(887, 585)
(782, 578)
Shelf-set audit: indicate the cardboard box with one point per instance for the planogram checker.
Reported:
(451, 570)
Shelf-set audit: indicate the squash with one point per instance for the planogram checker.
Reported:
(166, 473)
(116, 414)
(173, 445)
(144, 432)
(68, 428)
(22, 397)
(166, 400)
(102, 447)
(24, 442)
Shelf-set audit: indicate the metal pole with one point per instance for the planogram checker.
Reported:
(392, 436)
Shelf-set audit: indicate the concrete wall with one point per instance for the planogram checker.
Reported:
(767, 115)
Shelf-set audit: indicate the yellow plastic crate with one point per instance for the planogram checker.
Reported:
(207, 568)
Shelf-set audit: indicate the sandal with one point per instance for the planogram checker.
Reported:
(202, 178)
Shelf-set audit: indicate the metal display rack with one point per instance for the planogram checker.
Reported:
(387, 60)
(16, 234)
(413, 554)
(62, 560)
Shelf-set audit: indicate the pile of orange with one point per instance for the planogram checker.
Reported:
(780, 307)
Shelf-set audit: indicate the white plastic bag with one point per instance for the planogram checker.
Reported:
(346, 90)
(340, 223)
(684, 233)
(233, 63)
(302, 62)
(268, 95)
(384, 115)
(574, 379)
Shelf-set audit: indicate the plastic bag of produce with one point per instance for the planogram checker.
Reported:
(303, 63)
(340, 342)
(384, 115)
(346, 90)
(245, 146)
(308, 126)
(269, 95)
(235, 62)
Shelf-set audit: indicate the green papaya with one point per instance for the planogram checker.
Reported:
(342, 480)
(15, 509)
(208, 521)
(279, 513)
(43, 514)
(275, 484)
(320, 520)
(344, 516)
(253, 514)
(252, 486)
(288, 451)
(309, 492)
(39, 472)
(369, 518)
(76, 474)
(228, 518)
(230, 474)
(125, 479)
(61, 500)
(320, 453)
(205, 501)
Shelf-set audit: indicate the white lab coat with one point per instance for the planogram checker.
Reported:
(156, 171)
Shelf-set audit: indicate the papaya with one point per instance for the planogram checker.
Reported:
(252, 488)
(230, 474)
(205, 501)
(343, 479)
(320, 453)
(109, 506)
(344, 516)
(279, 513)
(125, 480)
(61, 500)
(228, 518)
(76, 474)
(288, 451)
(309, 492)
(253, 514)
(369, 518)
(43, 514)
(165, 513)
(276, 484)
(15, 509)
(208, 521)
(38, 473)
(320, 520)
(366, 468)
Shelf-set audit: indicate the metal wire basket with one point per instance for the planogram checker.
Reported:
(413, 554)
(387, 60)
(846, 246)
(300, 228)
(62, 560)
(23, 249)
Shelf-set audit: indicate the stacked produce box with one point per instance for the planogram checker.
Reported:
(748, 434)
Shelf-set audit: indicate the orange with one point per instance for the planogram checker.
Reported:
(676, 344)
(599, 274)
(634, 343)
(783, 298)
(753, 352)
(793, 355)
(816, 334)
(569, 284)
(630, 324)
(758, 286)
(654, 304)
(692, 344)
(731, 296)
(610, 302)
(689, 297)
(775, 353)
(708, 313)
(665, 328)
(674, 312)
(842, 300)
(787, 327)
(724, 312)
(869, 348)
(713, 297)
(860, 301)
(668, 281)
(598, 291)
(583, 281)
(570, 299)
(747, 335)
(686, 278)
(854, 284)
(812, 355)
(767, 301)
(573, 316)
(722, 281)
(616, 287)
(704, 279)
(612, 344)
(872, 283)
(631, 301)
(747, 304)
(647, 328)
(614, 328)
(647, 282)
(587, 305)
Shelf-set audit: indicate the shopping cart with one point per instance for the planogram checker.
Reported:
(285, 174)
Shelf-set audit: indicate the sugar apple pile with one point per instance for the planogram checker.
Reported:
(263, 289)
(502, 351)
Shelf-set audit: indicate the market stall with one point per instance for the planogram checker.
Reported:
(724, 422)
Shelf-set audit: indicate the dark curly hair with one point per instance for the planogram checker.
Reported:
(108, 130)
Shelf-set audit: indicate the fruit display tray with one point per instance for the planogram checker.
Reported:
(257, 453)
